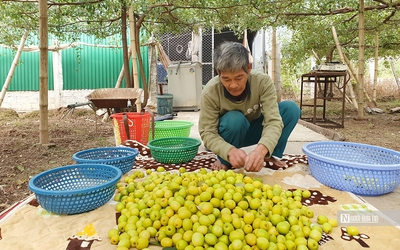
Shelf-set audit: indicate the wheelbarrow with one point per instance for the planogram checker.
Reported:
(116, 98)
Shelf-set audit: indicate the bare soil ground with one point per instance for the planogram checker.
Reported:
(380, 129)
(22, 156)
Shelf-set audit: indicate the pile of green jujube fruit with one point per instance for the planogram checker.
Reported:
(219, 209)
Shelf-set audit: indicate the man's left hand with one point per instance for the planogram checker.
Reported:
(254, 162)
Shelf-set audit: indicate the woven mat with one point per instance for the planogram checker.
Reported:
(201, 160)
(30, 227)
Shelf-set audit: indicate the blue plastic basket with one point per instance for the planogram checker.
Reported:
(354, 167)
(120, 157)
(76, 188)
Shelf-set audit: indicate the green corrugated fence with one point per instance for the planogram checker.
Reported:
(83, 67)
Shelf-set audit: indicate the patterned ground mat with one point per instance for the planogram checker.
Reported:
(202, 160)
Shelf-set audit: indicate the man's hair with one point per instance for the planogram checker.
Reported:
(230, 57)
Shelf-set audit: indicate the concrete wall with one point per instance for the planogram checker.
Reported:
(28, 101)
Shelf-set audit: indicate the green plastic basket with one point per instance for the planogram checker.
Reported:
(174, 150)
(164, 129)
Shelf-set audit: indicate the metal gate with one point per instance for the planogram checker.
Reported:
(177, 47)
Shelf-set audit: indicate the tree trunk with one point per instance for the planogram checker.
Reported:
(13, 66)
(132, 27)
(127, 75)
(329, 55)
(361, 61)
(376, 66)
(342, 59)
(43, 73)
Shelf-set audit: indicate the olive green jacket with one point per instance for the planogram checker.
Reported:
(261, 100)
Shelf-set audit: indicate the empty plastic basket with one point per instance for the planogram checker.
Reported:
(75, 188)
(163, 129)
(354, 167)
(131, 126)
(120, 157)
(174, 150)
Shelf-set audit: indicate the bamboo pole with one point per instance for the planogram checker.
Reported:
(394, 72)
(354, 75)
(141, 68)
(361, 61)
(122, 72)
(132, 24)
(273, 57)
(375, 66)
(43, 73)
(274, 62)
(13, 66)
(264, 54)
(339, 48)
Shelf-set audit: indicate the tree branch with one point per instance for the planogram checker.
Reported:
(387, 19)
(52, 3)
(143, 16)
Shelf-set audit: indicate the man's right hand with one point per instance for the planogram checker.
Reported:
(237, 157)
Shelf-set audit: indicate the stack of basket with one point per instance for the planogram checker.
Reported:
(171, 143)
(85, 186)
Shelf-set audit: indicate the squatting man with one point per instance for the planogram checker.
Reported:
(239, 108)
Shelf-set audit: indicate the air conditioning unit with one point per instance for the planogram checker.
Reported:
(185, 83)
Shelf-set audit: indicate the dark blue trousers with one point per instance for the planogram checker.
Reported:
(238, 131)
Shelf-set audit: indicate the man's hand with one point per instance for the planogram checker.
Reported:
(237, 157)
(254, 161)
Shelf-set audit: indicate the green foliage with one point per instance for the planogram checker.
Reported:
(310, 23)
(314, 33)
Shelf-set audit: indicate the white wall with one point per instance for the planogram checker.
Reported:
(27, 101)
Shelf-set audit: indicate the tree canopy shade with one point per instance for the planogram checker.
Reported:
(309, 20)
(66, 19)
(380, 17)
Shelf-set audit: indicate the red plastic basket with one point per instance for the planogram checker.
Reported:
(131, 126)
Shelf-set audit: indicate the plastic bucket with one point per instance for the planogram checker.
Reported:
(131, 126)
(164, 104)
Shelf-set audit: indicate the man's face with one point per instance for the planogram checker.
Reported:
(235, 83)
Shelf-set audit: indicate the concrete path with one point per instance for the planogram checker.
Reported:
(300, 135)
